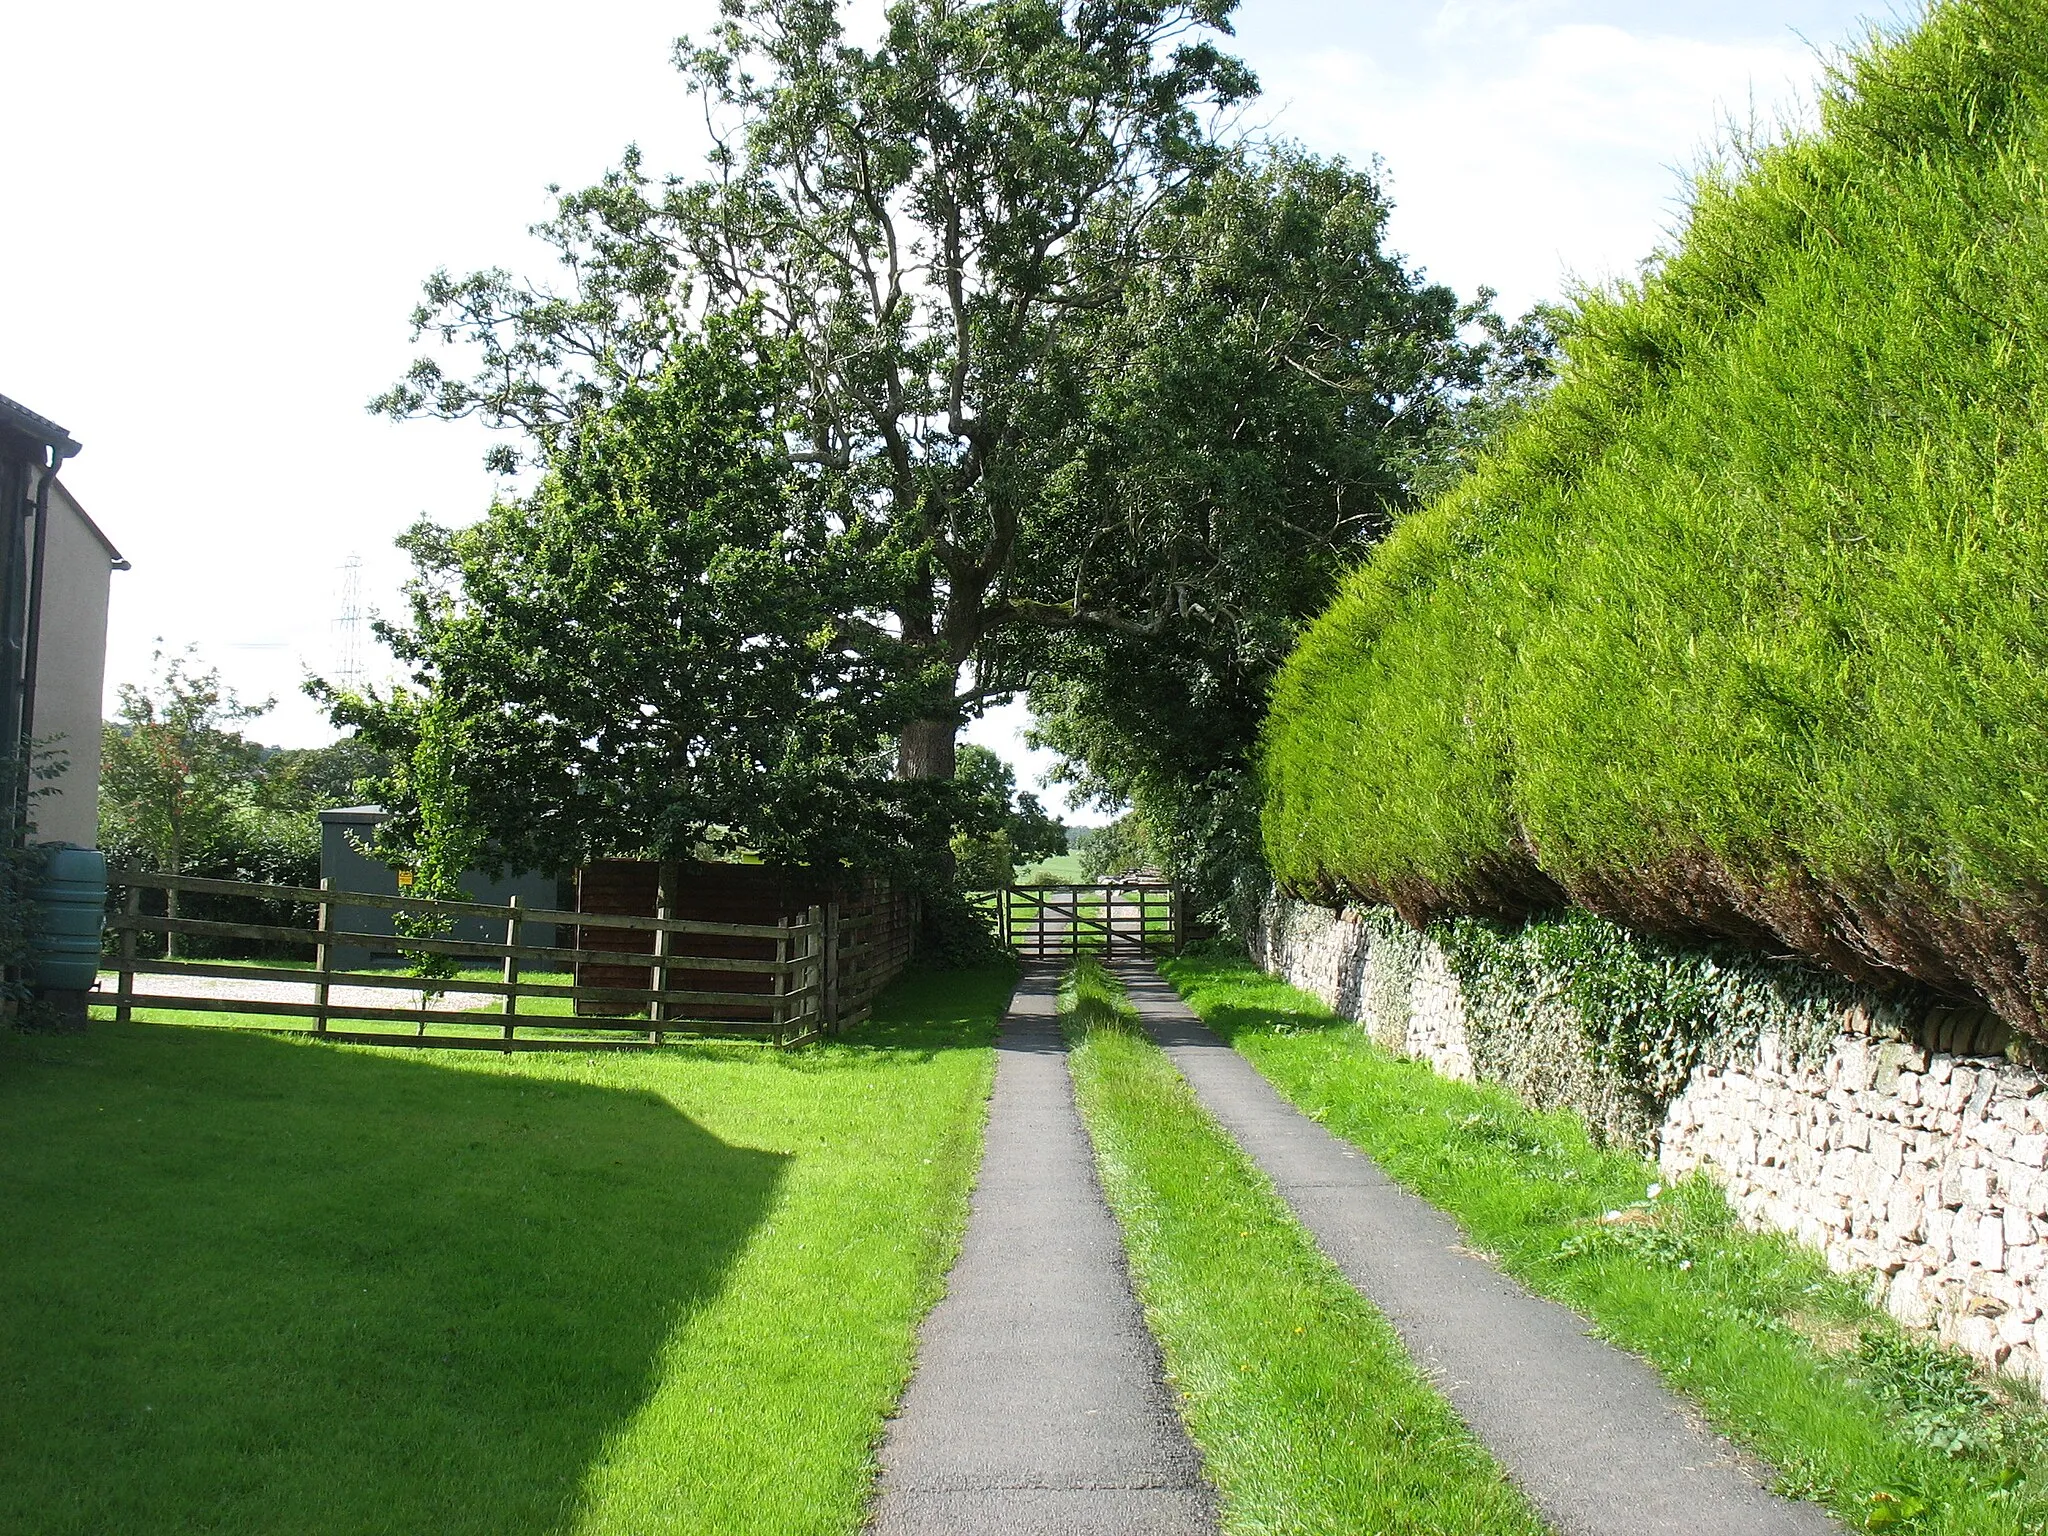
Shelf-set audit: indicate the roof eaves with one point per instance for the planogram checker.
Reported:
(18, 418)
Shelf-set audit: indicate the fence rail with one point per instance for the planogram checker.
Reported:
(306, 895)
(820, 975)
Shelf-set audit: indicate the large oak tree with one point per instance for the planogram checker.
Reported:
(1015, 339)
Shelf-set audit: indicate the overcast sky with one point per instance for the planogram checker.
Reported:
(222, 213)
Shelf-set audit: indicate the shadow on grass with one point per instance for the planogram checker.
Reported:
(1092, 1001)
(1228, 1020)
(259, 1285)
(919, 1015)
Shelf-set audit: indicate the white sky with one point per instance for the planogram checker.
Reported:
(222, 213)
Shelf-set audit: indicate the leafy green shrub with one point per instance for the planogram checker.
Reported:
(1573, 1011)
(983, 863)
(21, 870)
(1122, 848)
(1743, 630)
(954, 935)
(1944, 1400)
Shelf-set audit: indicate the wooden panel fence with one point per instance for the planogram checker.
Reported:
(867, 925)
(635, 976)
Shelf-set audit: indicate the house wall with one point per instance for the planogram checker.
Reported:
(71, 665)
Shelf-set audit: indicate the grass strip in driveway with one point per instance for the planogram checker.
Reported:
(1787, 1359)
(260, 1284)
(1309, 1414)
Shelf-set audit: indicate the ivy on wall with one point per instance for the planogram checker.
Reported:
(1386, 985)
(1573, 1011)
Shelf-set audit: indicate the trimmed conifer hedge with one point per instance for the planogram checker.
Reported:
(1744, 630)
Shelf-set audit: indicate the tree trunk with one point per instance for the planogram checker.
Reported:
(928, 749)
(171, 900)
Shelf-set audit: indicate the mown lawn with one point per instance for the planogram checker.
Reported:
(1785, 1358)
(1309, 1413)
(264, 1284)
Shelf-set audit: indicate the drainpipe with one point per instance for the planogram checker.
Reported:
(14, 515)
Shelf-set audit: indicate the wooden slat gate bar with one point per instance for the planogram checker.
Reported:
(1044, 922)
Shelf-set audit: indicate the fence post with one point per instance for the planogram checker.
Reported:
(323, 957)
(829, 1001)
(664, 946)
(814, 966)
(781, 1008)
(513, 923)
(124, 1006)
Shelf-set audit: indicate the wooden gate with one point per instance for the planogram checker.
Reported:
(1043, 922)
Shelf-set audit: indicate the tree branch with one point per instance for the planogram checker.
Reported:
(1069, 616)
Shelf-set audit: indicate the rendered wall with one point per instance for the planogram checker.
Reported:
(71, 665)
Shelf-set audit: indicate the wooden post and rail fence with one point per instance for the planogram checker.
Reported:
(786, 982)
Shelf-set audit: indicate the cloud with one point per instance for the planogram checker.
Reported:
(1558, 157)
(1461, 21)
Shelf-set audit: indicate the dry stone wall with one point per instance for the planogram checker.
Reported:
(1398, 985)
(1904, 1144)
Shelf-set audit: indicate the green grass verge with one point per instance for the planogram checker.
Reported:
(1309, 1413)
(1786, 1358)
(259, 1284)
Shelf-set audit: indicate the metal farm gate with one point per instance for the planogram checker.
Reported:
(1045, 922)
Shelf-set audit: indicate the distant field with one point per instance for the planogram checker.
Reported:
(1063, 868)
